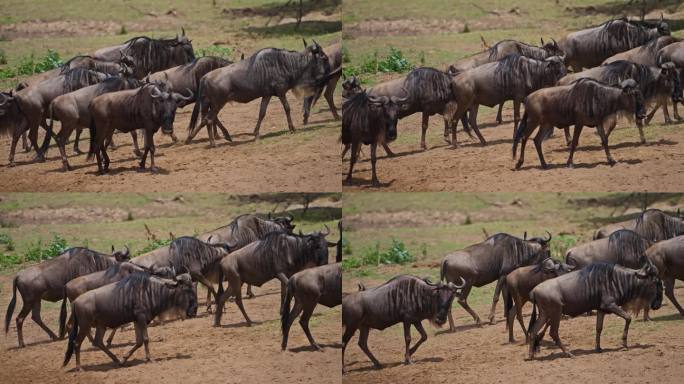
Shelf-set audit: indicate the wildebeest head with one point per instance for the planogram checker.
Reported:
(555, 67)
(186, 44)
(554, 268)
(319, 66)
(121, 256)
(663, 27)
(543, 251)
(318, 244)
(186, 295)
(635, 98)
(669, 79)
(6, 100)
(164, 104)
(390, 108)
(285, 222)
(552, 49)
(649, 273)
(351, 87)
(443, 295)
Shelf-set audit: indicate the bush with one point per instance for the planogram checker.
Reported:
(396, 254)
(3, 57)
(560, 245)
(37, 252)
(30, 65)
(154, 244)
(215, 50)
(394, 62)
(7, 241)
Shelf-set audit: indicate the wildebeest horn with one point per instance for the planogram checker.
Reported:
(180, 97)
(155, 93)
(661, 16)
(542, 41)
(554, 42)
(290, 217)
(327, 230)
(455, 286)
(128, 251)
(525, 235)
(182, 31)
(361, 287)
(304, 41)
(549, 239)
(269, 215)
(629, 83)
(113, 248)
(209, 239)
(315, 43)
(300, 233)
(331, 244)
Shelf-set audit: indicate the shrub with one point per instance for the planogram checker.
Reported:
(560, 245)
(3, 57)
(394, 62)
(396, 254)
(154, 244)
(30, 65)
(37, 252)
(215, 50)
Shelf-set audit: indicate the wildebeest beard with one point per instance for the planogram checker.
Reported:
(153, 55)
(140, 292)
(287, 66)
(86, 261)
(516, 252)
(656, 225)
(281, 252)
(622, 284)
(77, 78)
(617, 36)
(527, 50)
(427, 85)
(194, 254)
(594, 98)
(514, 73)
(628, 247)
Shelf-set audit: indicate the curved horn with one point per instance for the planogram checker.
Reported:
(457, 286)
(305, 44)
(542, 41)
(155, 93)
(525, 236)
(554, 42)
(182, 31)
(327, 230)
(180, 97)
(549, 239)
(290, 217)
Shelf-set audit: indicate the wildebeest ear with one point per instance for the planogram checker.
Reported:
(209, 239)
(112, 248)
(305, 44)
(542, 41)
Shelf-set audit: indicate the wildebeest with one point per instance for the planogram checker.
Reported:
(502, 49)
(653, 224)
(668, 257)
(46, 281)
(519, 284)
(585, 102)
(33, 102)
(588, 48)
(277, 255)
(403, 299)
(72, 110)
(657, 84)
(187, 76)
(137, 298)
(369, 120)
(488, 261)
(267, 73)
(351, 87)
(243, 230)
(646, 54)
(312, 286)
(608, 288)
(149, 107)
(511, 78)
(334, 53)
(624, 247)
(150, 55)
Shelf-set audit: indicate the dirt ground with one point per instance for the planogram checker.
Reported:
(190, 351)
(278, 162)
(482, 355)
(654, 166)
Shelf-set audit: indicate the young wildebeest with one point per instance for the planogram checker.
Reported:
(277, 255)
(267, 73)
(319, 285)
(403, 299)
(657, 84)
(149, 107)
(489, 261)
(511, 78)
(589, 47)
(668, 257)
(46, 281)
(585, 102)
(369, 120)
(608, 288)
(72, 110)
(137, 298)
(243, 230)
(334, 53)
(653, 224)
(33, 102)
(519, 284)
(502, 49)
(150, 55)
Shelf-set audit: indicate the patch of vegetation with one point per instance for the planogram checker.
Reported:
(123, 30)
(38, 251)
(560, 244)
(31, 65)
(154, 244)
(215, 50)
(7, 241)
(397, 253)
(395, 61)
(3, 56)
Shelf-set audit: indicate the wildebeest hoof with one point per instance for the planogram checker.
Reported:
(141, 169)
(545, 166)
(598, 350)
(346, 182)
(137, 153)
(187, 141)
(78, 152)
(570, 355)
(408, 362)
(39, 159)
(570, 165)
(612, 162)
(375, 184)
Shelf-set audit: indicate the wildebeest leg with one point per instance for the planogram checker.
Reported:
(98, 342)
(13, 147)
(238, 300)
(423, 337)
(538, 139)
(675, 111)
(363, 344)
(328, 94)
(604, 141)
(307, 108)
(226, 135)
(345, 150)
(76, 150)
(649, 117)
(250, 294)
(204, 281)
(348, 334)
(352, 160)
(136, 148)
(495, 300)
(61, 140)
(286, 107)
(294, 312)
(499, 117)
(614, 308)
(424, 127)
(669, 292)
(666, 114)
(568, 139)
(25, 309)
(35, 316)
(374, 148)
(533, 334)
(140, 326)
(518, 308)
(111, 337)
(575, 142)
(516, 114)
(387, 149)
(262, 113)
(24, 143)
(308, 309)
(599, 328)
(458, 115)
(83, 331)
(407, 341)
(554, 320)
(473, 123)
(463, 301)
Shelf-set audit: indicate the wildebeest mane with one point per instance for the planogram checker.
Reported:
(84, 261)
(427, 85)
(620, 70)
(599, 278)
(593, 97)
(269, 63)
(92, 63)
(514, 72)
(619, 35)
(243, 232)
(151, 55)
(359, 119)
(77, 78)
(189, 252)
(527, 50)
(116, 83)
(629, 247)
(278, 252)
(656, 225)
(407, 294)
(516, 251)
(139, 291)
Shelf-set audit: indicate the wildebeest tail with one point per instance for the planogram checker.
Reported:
(199, 100)
(519, 132)
(63, 316)
(72, 337)
(442, 270)
(12, 303)
(508, 300)
(93, 134)
(533, 319)
(220, 283)
(285, 310)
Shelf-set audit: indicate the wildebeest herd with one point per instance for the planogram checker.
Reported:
(138, 85)
(108, 291)
(629, 66)
(623, 270)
